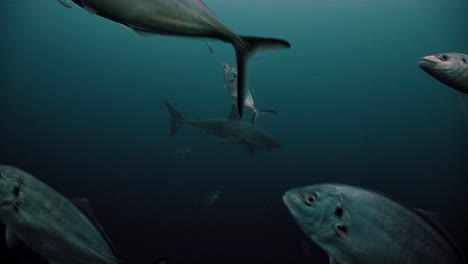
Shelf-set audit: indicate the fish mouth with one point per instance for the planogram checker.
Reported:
(291, 200)
(428, 62)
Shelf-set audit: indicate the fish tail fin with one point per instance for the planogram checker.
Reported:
(176, 118)
(464, 104)
(244, 51)
(257, 113)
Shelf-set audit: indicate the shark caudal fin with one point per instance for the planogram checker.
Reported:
(176, 118)
(249, 46)
(257, 113)
(464, 104)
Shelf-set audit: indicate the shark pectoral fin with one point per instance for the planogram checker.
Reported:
(251, 149)
(464, 104)
(10, 239)
(66, 3)
(89, 9)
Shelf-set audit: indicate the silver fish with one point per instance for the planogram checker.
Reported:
(190, 18)
(231, 130)
(60, 231)
(230, 83)
(450, 69)
(357, 226)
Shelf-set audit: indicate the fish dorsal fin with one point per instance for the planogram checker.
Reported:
(233, 114)
(430, 215)
(84, 206)
(432, 219)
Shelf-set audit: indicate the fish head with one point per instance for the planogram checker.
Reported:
(230, 79)
(228, 69)
(448, 68)
(10, 183)
(318, 210)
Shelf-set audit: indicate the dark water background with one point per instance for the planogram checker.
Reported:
(81, 108)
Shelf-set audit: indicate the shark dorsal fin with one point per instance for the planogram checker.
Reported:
(84, 206)
(233, 114)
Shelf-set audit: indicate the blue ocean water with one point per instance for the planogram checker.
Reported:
(82, 109)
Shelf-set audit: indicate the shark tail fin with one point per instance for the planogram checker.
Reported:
(257, 113)
(464, 104)
(244, 50)
(176, 118)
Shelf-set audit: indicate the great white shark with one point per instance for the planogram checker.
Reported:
(190, 18)
(232, 130)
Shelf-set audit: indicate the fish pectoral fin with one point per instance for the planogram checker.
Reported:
(84, 206)
(332, 260)
(144, 33)
(432, 217)
(89, 9)
(129, 29)
(10, 239)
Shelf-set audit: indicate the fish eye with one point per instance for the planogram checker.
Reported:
(16, 190)
(341, 228)
(464, 60)
(444, 57)
(339, 212)
(311, 199)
